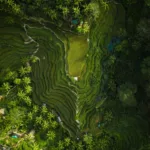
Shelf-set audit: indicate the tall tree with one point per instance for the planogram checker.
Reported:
(6, 87)
(28, 89)
(21, 94)
(44, 109)
(26, 80)
(27, 100)
(51, 135)
(17, 81)
(38, 120)
(88, 139)
(22, 71)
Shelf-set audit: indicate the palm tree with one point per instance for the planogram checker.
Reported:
(45, 124)
(11, 75)
(16, 9)
(17, 81)
(34, 59)
(105, 5)
(67, 2)
(112, 60)
(25, 60)
(77, 2)
(86, 28)
(38, 120)
(22, 71)
(53, 14)
(27, 100)
(89, 147)
(87, 9)
(16, 116)
(28, 89)
(9, 20)
(88, 139)
(35, 108)
(76, 11)
(21, 94)
(65, 11)
(54, 124)
(67, 141)
(6, 86)
(28, 69)
(108, 116)
(29, 137)
(79, 29)
(73, 145)
(30, 115)
(79, 146)
(50, 116)
(35, 146)
(51, 135)
(26, 80)
(44, 109)
(60, 145)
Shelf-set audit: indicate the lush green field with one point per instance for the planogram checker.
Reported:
(76, 54)
(50, 83)
(89, 86)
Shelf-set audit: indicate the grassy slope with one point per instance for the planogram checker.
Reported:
(50, 83)
(49, 77)
(76, 47)
(12, 47)
(89, 86)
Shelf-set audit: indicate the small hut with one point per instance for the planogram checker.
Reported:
(75, 78)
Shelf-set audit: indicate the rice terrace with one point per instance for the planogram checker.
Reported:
(74, 75)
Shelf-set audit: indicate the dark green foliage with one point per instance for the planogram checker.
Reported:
(55, 9)
(126, 94)
(145, 67)
(129, 74)
(124, 88)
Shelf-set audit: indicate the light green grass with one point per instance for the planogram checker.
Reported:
(76, 54)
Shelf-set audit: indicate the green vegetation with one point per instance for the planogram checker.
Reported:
(77, 54)
(44, 44)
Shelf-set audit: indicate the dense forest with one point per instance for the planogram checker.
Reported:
(51, 98)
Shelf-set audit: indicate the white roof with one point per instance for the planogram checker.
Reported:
(76, 78)
(2, 111)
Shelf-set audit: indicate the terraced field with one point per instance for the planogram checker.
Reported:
(89, 87)
(12, 47)
(51, 83)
